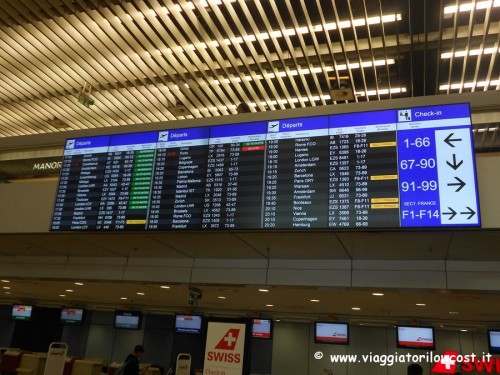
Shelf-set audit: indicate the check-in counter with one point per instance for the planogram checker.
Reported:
(32, 364)
(86, 367)
(11, 359)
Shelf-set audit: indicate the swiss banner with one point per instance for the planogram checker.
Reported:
(224, 348)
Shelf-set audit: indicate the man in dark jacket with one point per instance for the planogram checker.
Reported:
(132, 362)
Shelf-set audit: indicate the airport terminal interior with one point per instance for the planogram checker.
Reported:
(351, 209)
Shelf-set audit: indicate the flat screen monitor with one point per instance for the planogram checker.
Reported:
(128, 319)
(494, 341)
(262, 328)
(188, 323)
(21, 312)
(415, 337)
(72, 315)
(331, 333)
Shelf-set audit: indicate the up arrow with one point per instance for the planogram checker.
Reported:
(449, 140)
(454, 164)
(452, 213)
(460, 184)
(470, 212)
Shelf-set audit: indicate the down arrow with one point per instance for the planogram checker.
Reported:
(454, 164)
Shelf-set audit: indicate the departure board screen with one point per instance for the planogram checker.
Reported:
(398, 168)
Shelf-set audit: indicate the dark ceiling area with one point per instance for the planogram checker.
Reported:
(155, 61)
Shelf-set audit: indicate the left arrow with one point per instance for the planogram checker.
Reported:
(460, 184)
(450, 140)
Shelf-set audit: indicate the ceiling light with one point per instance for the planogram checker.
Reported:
(62, 295)
(377, 294)
(164, 287)
(69, 290)
(356, 308)
(470, 52)
(6, 287)
(463, 330)
(395, 90)
(269, 305)
(467, 85)
(453, 312)
(221, 297)
(7, 292)
(315, 28)
(140, 293)
(80, 284)
(466, 7)
(5, 281)
(264, 290)
(420, 304)
(314, 300)
(123, 297)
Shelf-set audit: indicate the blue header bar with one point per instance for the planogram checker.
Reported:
(188, 134)
(363, 118)
(235, 130)
(133, 139)
(298, 124)
(441, 112)
(89, 142)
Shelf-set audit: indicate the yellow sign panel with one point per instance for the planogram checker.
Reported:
(384, 177)
(384, 205)
(385, 200)
(136, 221)
(383, 144)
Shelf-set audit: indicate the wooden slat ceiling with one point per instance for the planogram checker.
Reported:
(160, 60)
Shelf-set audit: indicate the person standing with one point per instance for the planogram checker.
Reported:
(131, 365)
(415, 369)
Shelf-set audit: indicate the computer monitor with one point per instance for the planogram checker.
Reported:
(186, 323)
(128, 319)
(411, 337)
(72, 315)
(331, 333)
(494, 341)
(21, 312)
(262, 328)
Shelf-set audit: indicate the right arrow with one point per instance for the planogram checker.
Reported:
(452, 213)
(471, 212)
(454, 164)
(449, 140)
(460, 184)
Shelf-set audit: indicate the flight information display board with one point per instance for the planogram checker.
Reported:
(399, 168)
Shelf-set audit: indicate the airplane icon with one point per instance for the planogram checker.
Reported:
(273, 126)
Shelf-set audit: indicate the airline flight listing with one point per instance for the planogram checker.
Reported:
(233, 196)
(179, 181)
(296, 189)
(363, 185)
(410, 167)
